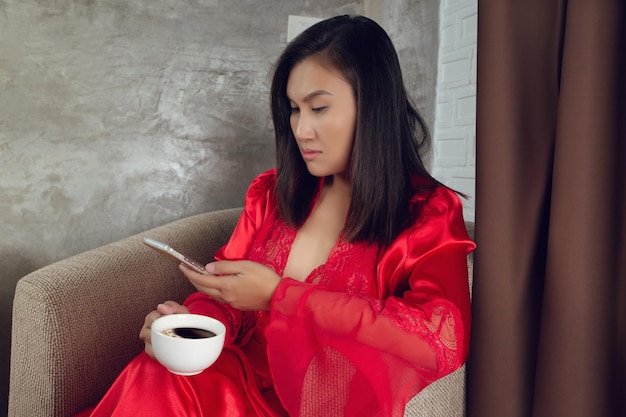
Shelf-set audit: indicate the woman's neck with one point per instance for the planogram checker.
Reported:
(340, 184)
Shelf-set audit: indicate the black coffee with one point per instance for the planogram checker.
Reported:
(189, 333)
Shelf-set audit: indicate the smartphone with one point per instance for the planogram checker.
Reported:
(170, 252)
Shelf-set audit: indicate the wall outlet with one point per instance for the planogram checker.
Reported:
(298, 24)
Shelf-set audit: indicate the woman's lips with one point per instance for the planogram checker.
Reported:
(309, 155)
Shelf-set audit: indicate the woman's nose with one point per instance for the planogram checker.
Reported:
(302, 130)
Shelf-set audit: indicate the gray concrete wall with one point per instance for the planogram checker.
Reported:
(120, 115)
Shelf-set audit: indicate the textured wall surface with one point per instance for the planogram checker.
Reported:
(455, 125)
(120, 115)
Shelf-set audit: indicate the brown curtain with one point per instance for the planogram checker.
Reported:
(549, 306)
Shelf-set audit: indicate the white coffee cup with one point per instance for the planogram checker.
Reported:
(183, 355)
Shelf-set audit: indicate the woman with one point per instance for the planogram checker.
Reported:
(344, 285)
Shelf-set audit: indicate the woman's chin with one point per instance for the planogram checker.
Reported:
(317, 171)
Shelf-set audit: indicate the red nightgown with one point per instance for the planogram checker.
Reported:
(361, 336)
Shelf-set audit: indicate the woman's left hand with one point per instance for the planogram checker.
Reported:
(245, 285)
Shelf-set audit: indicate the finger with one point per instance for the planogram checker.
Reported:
(201, 280)
(171, 307)
(151, 317)
(226, 267)
(145, 334)
(215, 293)
(147, 324)
(149, 350)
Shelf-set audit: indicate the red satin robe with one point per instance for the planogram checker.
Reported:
(361, 336)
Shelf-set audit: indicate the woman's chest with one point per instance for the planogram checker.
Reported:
(348, 267)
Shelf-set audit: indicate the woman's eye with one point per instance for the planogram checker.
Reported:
(294, 110)
(319, 109)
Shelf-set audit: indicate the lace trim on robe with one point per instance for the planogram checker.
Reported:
(351, 268)
(438, 327)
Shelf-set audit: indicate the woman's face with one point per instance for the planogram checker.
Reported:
(323, 117)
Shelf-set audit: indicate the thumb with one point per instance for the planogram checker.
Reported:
(225, 267)
(171, 307)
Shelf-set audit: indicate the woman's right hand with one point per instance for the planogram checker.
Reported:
(168, 307)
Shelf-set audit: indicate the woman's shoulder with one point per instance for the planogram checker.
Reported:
(260, 198)
(437, 214)
(262, 183)
(436, 223)
(433, 200)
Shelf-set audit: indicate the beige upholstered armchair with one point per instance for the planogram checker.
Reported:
(76, 322)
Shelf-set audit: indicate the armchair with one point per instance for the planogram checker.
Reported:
(76, 322)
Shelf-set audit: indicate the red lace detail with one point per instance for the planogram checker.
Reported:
(331, 394)
(274, 250)
(437, 325)
(350, 267)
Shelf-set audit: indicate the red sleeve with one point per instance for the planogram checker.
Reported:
(387, 348)
(257, 205)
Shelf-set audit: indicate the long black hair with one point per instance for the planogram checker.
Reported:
(390, 140)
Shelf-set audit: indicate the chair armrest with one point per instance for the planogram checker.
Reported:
(76, 322)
